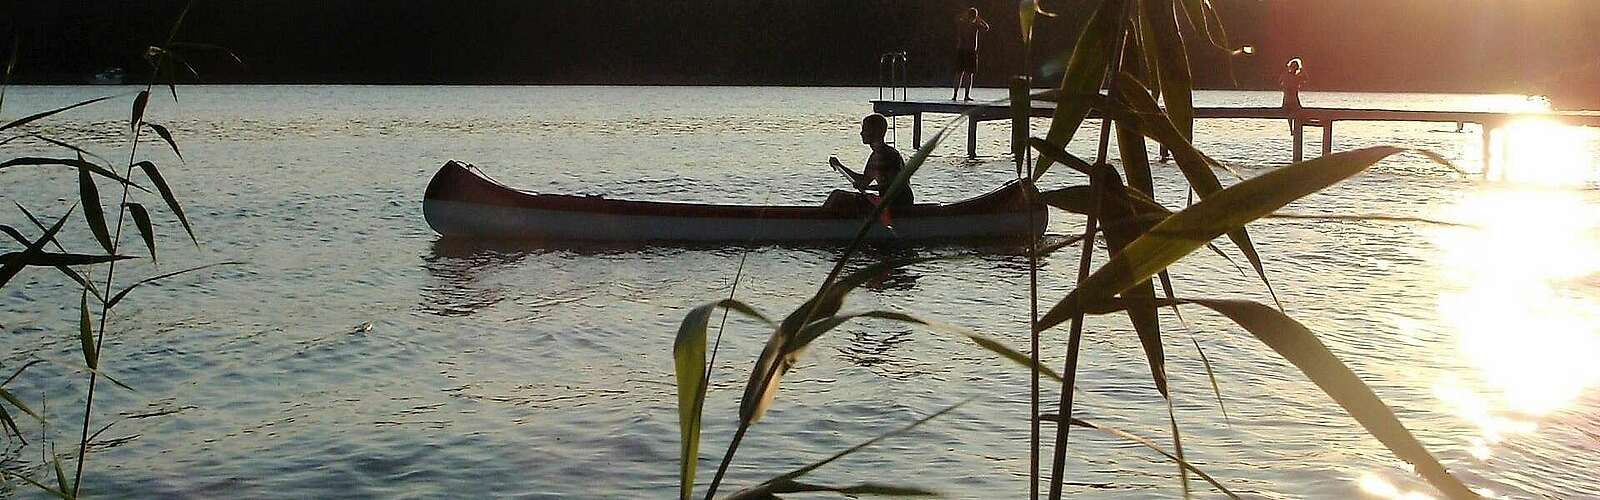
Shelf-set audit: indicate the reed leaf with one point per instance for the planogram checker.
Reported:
(874, 489)
(689, 366)
(91, 354)
(92, 211)
(9, 425)
(52, 491)
(794, 334)
(53, 259)
(763, 382)
(154, 175)
(61, 476)
(1142, 309)
(141, 219)
(166, 135)
(1084, 75)
(1176, 83)
(139, 103)
(1148, 444)
(1196, 166)
(767, 489)
(1077, 199)
(94, 371)
(125, 291)
(1300, 346)
(14, 263)
(17, 402)
(33, 117)
(1216, 388)
(1222, 212)
(80, 151)
(1023, 360)
(69, 272)
(19, 371)
(79, 163)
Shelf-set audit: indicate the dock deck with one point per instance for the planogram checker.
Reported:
(1324, 118)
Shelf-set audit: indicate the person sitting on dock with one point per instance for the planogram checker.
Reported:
(882, 167)
(967, 28)
(1293, 78)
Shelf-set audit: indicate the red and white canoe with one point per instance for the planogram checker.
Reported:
(462, 203)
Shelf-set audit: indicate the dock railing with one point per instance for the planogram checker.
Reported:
(893, 73)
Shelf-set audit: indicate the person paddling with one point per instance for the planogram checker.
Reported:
(882, 167)
(967, 28)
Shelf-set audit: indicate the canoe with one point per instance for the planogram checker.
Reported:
(461, 202)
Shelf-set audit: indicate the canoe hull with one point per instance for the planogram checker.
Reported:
(463, 204)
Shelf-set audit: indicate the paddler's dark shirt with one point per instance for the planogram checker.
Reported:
(883, 167)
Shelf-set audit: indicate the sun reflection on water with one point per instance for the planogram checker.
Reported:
(1521, 300)
(1542, 152)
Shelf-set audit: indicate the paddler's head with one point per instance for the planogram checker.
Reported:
(873, 127)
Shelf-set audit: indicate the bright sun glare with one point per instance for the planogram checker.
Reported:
(1542, 152)
(1520, 306)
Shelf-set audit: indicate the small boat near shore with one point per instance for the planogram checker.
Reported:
(460, 202)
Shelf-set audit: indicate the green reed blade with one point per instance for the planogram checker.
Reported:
(92, 211)
(53, 259)
(1142, 310)
(15, 263)
(30, 118)
(765, 489)
(1222, 212)
(166, 135)
(154, 175)
(8, 425)
(1151, 445)
(793, 335)
(1216, 389)
(76, 149)
(1196, 167)
(52, 491)
(125, 291)
(141, 219)
(1300, 346)
(139, 104)
(78, 163)
(1177, 83)
(689, 365)
(874, 489)
(1084, 75)
(69, 272)
(91, 355)
(12, 398)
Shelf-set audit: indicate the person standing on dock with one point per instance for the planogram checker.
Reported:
(967, 28)
(882, 167)
(1294, 77)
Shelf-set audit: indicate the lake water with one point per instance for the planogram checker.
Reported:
(353, 355)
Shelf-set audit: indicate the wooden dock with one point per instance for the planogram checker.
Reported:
(1323, 118)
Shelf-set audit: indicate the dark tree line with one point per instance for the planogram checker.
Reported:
(1472, 45)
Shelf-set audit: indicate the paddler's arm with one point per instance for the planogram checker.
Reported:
(856, 180)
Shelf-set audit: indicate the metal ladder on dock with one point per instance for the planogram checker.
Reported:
(892, 76)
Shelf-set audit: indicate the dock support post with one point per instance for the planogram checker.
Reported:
(916, 130)
(972, 137)
(1297, 134)
(1327, 137)
(1488, 134)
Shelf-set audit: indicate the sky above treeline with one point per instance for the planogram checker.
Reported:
(1419, 45)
